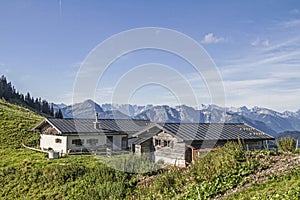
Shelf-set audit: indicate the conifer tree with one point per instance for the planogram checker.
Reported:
(59, 114)
(9, 93)
(52, 110)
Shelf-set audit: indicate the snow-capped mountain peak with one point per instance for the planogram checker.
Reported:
(264, 119)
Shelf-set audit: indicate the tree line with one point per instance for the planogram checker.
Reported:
(9, 93)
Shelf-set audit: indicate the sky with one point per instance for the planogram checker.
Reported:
(254, 45)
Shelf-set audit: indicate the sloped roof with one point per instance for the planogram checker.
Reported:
(210, 131)
(81, 126)
(145, 135)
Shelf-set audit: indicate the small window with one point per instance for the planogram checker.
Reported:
(92, 142)
(77, 142)
(57, 140)
(157, 142)
(124, 142)
(167, 143)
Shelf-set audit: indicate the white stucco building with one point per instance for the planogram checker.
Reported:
(87, 135)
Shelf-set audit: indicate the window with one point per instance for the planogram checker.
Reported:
(163, 143)
(157, 142)
(92, 142)
(109, 141)
(167, 143)
(124, 142)
(57, 140)
(77, 142)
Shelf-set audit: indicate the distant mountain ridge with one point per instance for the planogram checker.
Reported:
(291, 134)
(264, 119)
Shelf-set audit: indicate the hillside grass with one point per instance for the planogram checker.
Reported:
(15, 123)
(25, 174)
(278, 187)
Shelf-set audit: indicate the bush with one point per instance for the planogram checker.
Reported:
(287, 144)
(297, 151)
(218, 161)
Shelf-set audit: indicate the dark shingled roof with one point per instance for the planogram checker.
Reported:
(145, 135)
(204, 132)
(81, 126)
(214, 131)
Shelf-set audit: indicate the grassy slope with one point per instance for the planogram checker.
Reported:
(15, 121)
(278, 187)
(25, 174)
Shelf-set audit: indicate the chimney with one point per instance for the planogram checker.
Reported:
(97, 116)
(96, 123)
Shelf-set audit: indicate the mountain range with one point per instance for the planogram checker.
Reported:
(264, 119)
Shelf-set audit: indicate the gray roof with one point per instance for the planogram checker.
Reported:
(214, 131)
(207, 131)
(81, 126)
(145, 135)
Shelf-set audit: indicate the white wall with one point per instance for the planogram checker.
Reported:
(101, 141)
(174, 155)
(48, 141)
(117, 141)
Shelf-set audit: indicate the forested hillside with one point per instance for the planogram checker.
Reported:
(9, 93)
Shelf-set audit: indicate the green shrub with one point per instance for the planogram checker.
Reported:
(219, 170)
(219, 183)
(218, 161)
(286, 144)
(297, 151)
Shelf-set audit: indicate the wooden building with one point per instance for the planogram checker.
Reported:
(179, 144)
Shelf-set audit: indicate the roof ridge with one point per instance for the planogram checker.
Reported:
(99, 119)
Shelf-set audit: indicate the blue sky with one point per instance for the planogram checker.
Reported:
(254, 44)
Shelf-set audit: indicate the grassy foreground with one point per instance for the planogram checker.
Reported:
(25, 174)
(278, 187)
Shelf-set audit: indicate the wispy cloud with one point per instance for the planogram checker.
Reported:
(258, 42)
(294, 11)
(288, 43)
(267, 75)
(265, 43)
(290, 23)
(255, 42)
(211, 38)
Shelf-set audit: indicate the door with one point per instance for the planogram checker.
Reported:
(109, 142)
(188, 155)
